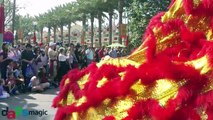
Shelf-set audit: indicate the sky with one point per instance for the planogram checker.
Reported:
(36, 7)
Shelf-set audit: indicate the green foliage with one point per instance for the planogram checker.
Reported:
(8, 8)
(24, 23)
(141, 11)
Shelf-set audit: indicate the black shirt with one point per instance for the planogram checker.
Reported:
(27, 55)
(4, 64)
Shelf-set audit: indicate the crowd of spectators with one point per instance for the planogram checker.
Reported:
(37, 67)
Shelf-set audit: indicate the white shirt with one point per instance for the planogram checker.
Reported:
(52, 54)
(62, 57)
(71, 59)
(44, 60)
(34, 81)
(89, 54)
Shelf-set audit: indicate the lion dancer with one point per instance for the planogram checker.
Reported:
(169, 77)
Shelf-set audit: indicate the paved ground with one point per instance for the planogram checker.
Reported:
(32, 102)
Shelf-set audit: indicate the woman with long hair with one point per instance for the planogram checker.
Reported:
(73, 61)
(3, 60)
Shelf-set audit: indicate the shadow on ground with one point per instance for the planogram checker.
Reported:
(31, 102)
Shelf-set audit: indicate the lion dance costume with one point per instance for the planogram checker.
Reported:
(169, 77)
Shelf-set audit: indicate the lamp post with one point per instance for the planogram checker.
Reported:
(69, 26)
(120, 10)
(1, 22)
(13, 18)
(34, 35)
(28, 38)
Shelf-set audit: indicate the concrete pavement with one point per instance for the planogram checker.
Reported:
(39, 105)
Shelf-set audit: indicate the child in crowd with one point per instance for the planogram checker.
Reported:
(40, 82)
(3, 94)
(10, 67)
(19, 78)
(10, 84)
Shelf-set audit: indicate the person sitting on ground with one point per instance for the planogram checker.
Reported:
(10, 67)
(39, 83)
(19, 78)
(42, 75)
(3, 93)
(10, 84)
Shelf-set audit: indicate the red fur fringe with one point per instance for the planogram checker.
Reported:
(211, 23)
(204, 9)
(188, 6)
(172, 3)
(109, 118)
(167, 64)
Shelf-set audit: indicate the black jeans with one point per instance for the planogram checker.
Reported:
(26, 79)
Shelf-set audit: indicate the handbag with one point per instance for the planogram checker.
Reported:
(29, 71)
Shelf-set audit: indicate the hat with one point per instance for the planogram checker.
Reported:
(51, 44)
(61, 48)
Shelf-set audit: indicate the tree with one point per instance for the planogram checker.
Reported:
(140, 12)
(120, 10)
(72, 16)
(87, 8)
(67, 15)
(109, 6)
(25, 24)
(41, 24)
(8, 6)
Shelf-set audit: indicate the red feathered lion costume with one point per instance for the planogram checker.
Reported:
(169, 77)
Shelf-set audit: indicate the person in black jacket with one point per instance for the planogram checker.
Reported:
(27, 58)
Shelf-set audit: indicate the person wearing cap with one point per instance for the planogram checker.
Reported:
(52, 54)
(27, 58)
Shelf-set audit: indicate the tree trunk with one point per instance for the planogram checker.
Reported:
(84, 29)
(62, 35)
(54, 30)
(49, 34)
(13, 20)
(100, 29)
(92, 31)
(69, 33)
(110, 26)
(42, 34)
(120, 7)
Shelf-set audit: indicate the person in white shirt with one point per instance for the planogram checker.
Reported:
(90, 55)
(52, 54)
(63, 63)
